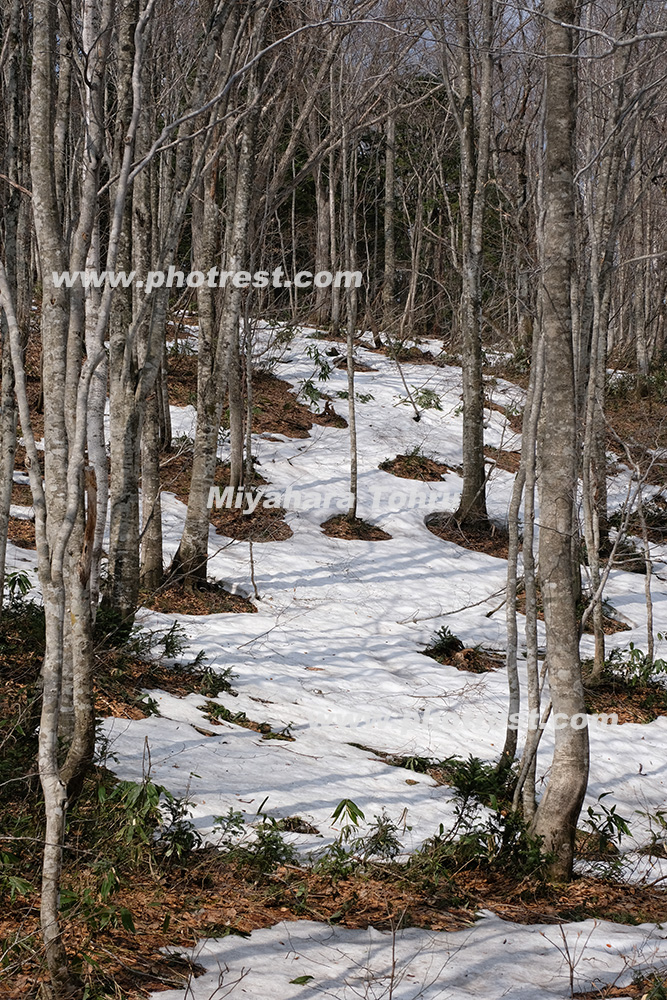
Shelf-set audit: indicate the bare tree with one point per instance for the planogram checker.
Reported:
(473, 122)
(558, 810)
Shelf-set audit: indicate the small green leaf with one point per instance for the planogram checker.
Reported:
(301, 980)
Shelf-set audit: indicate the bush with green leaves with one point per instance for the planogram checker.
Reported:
(657, 822)
(499, 841)
(261, 845)
(625, 385)
(178, 836)
(443, 644)
(113, 632)
(476, 780)
(606, 825)
(18, 586)
(212, 682)
(361, 397)
(323, 371)
(146, 815)
(11, 882)
(352, 851)
(426, 399)
(633, 667)
(502, 842)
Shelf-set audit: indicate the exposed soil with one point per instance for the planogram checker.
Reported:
(627, 556)
(507, 369)
(208, 599)
(210, 896)
(22, 532)
(177, 332)
(405, 355)
(341, 526)
(643, 988)
(639, 417)
(276, 410)
(358, 366)
(33, 379)
(264, 524)
(121, 682)
(610, 625)
(21, 495)
(415, 467)
(182, 378)
(639, 704)
(206, 894)
(474, 660)
(215, 712)
(485, 536)
(515, 420)
(509, 461)
(655, 517)
(275, 407)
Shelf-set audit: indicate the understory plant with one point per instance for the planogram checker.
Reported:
(633, 667)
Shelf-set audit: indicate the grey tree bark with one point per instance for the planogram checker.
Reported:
(475, 144)
(389, 279)
(558, 811)
(190, 562)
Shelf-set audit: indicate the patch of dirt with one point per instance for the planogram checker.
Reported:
(21, 495)
(509, 461)
(639, 704)
(515, 420)
(22, 532)
(276, 410)
(358, 366)
(176, 472)
(484, 536)
(610, 625)
(295, 824)
(182, 379)
(121, 680)
(474, 660)
(655, 516)
(509, 370)
(206, 599)
(627, 556)
(215, 712)
(275, 407)
(415, 467)
(211, 896)
(412, 355)
(439, 771)
(639, 417)
(265, 524)
(341, 526)
(642, 988)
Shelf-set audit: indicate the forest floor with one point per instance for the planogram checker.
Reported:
(318, 692)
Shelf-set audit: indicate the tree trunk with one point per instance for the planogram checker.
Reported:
(475, 139)
(191, 559)
(389, 280)
(559, 808)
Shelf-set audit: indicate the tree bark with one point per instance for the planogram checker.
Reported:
(559, 808)
(475, 140)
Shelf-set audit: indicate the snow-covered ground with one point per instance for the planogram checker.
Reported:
(334, 652)
(489, 961)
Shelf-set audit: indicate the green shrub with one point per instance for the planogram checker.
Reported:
(633, 667)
